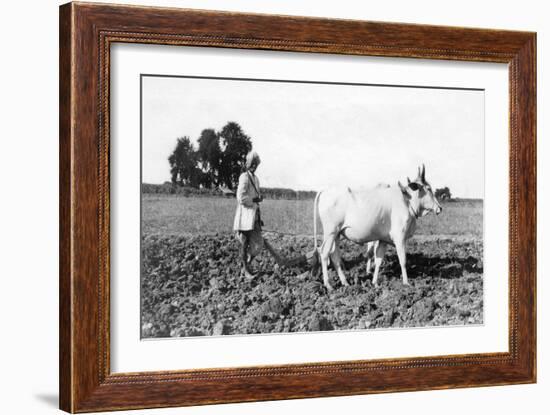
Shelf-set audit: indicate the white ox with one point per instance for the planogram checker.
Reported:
(380, 216)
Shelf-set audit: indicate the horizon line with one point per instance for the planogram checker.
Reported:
(289, 188)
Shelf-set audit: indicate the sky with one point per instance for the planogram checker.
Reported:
(312, 136)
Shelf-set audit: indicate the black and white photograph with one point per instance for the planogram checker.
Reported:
(279, 206)
(287, 206)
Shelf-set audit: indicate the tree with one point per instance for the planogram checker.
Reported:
(183, 164)
(443, 193)
(209, 156)
(236, 144)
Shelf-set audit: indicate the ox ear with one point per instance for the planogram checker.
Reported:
(408, 181)
(405, 190)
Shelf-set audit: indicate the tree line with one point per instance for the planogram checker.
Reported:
(217, 161)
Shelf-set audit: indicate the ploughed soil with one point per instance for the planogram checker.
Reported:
(191, 286)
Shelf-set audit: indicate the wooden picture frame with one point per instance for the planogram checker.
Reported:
(86, 33)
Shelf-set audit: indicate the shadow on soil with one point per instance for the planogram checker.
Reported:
(420, 265)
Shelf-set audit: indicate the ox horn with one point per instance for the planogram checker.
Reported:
(423, 174)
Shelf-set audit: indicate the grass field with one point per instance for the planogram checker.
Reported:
(168, 214)
(191, 282)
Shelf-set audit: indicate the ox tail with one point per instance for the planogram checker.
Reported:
(315, 209)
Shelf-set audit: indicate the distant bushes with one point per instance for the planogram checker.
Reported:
(289, 194)
(267, 192)
(170, 189)
(443, 193)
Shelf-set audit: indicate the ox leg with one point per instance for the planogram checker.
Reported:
(337, 260)
(326, 249)
(401, 254)
(371, 248)
(378, 257)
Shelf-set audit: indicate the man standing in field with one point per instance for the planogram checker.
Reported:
(248, 223)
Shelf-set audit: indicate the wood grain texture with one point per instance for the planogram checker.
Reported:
(86, 33)
(65, 247)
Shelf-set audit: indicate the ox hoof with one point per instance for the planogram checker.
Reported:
(248, 275)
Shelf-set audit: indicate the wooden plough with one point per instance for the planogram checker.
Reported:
(310, 258)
